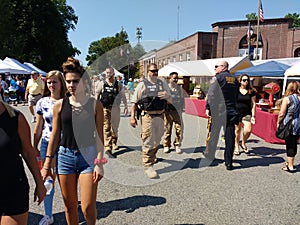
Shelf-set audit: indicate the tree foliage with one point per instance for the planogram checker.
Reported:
(114, 51)
(251, 16)
(37, 31)
(295, 17)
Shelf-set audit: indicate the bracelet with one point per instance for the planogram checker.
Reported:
(100, 161)
(49, 156)
(46, 168)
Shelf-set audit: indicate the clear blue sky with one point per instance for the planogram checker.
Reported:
(158, 18)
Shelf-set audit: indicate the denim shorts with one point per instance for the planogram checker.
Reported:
(73, 161)
(43, 149)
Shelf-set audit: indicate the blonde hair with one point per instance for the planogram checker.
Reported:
(292, 88)
(10, 110)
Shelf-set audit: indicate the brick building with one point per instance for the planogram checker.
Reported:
(278, 39)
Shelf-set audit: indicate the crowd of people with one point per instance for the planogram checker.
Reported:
(77, 124)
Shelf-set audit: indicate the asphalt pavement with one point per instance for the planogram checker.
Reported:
(189, 190)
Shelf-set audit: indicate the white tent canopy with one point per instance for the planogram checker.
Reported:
(33, 67)
(117, 73)
(16, 64)
(287, 61)
(292, 71)
(204, 67)
(7, 68)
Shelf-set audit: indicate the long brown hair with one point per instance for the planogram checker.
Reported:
(249, 87)
(292, 88)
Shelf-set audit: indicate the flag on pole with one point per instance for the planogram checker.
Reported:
(249, 31)
(261, 12)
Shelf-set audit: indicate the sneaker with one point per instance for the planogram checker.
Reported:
(150, 172)
(115, 147)
(46, 220)
(166, 149)
(178, 150)
(109, 154)
(33, 119)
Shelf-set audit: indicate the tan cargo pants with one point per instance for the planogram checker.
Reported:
(173, 117)
(111, 126)
(152, 131)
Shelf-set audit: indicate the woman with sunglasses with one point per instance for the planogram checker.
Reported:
(246, 108)
(78, 131)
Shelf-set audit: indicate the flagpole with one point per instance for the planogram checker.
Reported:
(257, 37)
(249, 36)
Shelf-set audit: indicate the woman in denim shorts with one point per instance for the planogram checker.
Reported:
(78, 131)
(55, 89)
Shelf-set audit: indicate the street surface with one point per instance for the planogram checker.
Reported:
(256, 192)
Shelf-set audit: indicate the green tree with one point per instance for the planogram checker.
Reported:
(295, 17)
(109, 51)
(37, 31)
(251, 16)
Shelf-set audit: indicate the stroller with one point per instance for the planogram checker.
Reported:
(12, 96)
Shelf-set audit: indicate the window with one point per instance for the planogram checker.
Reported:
(188, 56)
(180, 57)
(174, 58)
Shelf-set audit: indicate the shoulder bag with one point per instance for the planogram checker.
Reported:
(284, 130)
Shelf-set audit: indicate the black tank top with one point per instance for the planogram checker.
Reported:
(11, 164)
(77, 125)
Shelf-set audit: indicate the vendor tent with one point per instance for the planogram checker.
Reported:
(204, 67)
(117, 73)
(268, 69)
(292, 71)
(15, 63)
(6, 68)
(33, 67)
(287, 61)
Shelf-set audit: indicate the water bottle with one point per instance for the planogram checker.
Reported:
(48, 184)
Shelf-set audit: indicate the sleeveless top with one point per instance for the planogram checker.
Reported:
(11, 164)
(78, 125)
(291, 108)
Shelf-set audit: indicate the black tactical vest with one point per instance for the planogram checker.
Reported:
(110, 94)
(150, 101)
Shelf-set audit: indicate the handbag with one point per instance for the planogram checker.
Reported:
(284, 130)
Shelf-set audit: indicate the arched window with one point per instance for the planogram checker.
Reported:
(245, 46)
(297, 52)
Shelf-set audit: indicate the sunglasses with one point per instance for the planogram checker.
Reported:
(216, 66)
(244, 80)
(154, 71)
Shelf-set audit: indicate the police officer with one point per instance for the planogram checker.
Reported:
(173, 115)
(150, 97)
(111, 93)
(221, 106)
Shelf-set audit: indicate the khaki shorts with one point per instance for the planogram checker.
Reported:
(33, 99)
(247, 118)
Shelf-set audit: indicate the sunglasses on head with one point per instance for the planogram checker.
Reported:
(154, 71)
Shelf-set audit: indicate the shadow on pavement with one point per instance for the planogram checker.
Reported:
(262, 156)
(104, 209)
(128, 205)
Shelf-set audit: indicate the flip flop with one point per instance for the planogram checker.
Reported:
(287, 169)
(245, 148)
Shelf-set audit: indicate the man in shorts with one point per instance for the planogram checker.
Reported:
(34, 91)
